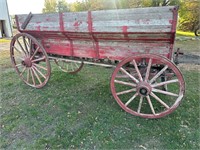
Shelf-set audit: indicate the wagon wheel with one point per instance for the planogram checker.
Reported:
(140, 92)
(30, 60)
(69, 67)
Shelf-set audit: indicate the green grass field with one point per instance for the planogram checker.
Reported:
(79, 112)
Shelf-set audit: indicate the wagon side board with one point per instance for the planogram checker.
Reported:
(111, 34)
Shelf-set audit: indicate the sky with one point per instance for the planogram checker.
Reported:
(27, 6)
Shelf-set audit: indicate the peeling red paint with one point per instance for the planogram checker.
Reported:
(77, 23)
(38, 27)
(171, 21)
(125, 29)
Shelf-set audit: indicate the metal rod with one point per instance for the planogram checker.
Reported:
(85, 62)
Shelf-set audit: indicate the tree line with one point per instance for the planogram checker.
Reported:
(189, 10)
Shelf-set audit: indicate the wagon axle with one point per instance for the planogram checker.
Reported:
(27, 62)
(144, 89)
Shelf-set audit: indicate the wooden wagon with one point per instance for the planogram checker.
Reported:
(138, 43)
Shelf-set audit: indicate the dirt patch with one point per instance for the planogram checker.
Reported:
(189, 58)
(189, 67)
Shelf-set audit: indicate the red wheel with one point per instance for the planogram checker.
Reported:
(69, 67)
(30, 60)
(137, 86)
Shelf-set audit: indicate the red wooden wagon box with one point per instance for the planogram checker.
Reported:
(138, 43)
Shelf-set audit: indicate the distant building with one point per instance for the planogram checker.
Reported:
(5, 21)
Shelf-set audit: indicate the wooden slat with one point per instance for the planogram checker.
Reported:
(155, 19)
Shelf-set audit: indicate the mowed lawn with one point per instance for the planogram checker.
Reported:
(79, 112)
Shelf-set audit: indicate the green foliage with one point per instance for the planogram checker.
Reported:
(79, 6)
(189, 15)
(62, 6)
(49, 6)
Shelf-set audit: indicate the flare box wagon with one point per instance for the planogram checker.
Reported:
(138, 43)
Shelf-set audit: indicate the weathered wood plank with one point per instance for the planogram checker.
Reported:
(111, 34)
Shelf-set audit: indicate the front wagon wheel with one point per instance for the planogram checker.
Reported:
(137, 85)
(30, 60)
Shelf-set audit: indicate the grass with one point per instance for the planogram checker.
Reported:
(4, 40)
(187, 46)
(79, 112)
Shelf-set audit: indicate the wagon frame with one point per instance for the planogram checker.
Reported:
(138, 43)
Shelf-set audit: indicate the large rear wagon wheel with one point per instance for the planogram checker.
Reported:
(30, 60)
(137, 85)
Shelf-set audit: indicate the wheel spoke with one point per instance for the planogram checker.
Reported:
(21, 47)
(150, 104)
(140, 104)
(164, 83)
(131, 99)
(39, 66)
(35, 73)
(72, 67)
(28, 75)
(29, 44)
(126, 91)
(22, 71)
(25, 45)
(18, 65)
(76, 65)
(132, 77)
(39, 72)
(39, 59)
(18, 57)
(159, 100)
(125, 83)
(122, 76)
(148, 70)
(137, 70)
(63, 64)
(67, 67)
(33, 79)
(164, 92)
(16, 49)
(35, 52)
(158, 74)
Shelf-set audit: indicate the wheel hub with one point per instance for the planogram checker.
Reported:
(27, 62)
(144, 89)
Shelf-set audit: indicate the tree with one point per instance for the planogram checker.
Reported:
(79, 6)
(62, 6)
(189, 15)
(165, 2)
(49, 6)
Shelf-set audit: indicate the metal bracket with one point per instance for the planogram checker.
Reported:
(177, 53)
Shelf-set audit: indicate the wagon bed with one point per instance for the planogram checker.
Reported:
(138, 43)
(111, 34)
